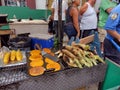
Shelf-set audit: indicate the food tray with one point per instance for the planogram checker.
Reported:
(16, 63)
(54, 58)
(13, 72)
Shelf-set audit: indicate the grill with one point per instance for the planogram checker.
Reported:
(67, 79)
(13, 72)
(9, 75)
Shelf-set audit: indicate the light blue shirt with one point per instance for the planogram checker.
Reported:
(113, 21)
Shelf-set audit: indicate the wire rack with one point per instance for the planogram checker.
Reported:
(12, 74)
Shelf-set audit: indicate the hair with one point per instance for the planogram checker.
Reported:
(72, 0)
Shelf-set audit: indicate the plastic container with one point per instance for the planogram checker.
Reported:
(44, 40)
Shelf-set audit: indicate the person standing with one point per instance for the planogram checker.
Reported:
(72, 28)
(54, 10)
(50, 25)
(112, 40)
(105, 8)
(88, 24)
(88, 18)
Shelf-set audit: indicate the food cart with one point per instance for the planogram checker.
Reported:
(16, 77)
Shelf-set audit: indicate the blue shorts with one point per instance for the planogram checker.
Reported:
(70, 30)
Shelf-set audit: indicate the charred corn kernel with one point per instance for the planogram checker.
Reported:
(13, 55)
(6, 57)
(19, 55)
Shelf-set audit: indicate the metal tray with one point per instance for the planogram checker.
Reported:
(16, 63)
(46, 71)
(13, 72)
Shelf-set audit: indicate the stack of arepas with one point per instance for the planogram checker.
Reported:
(36, 63)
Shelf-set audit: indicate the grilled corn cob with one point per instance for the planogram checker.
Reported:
(6, 57)
(19, 55)
(13, 55)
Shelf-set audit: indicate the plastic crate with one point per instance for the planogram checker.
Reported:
(44, 40)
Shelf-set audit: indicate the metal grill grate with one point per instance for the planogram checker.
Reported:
(68, 79)
(12, 74)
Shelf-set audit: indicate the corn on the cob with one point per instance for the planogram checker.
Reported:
(19, 55)
(13, 55)
(6, 57)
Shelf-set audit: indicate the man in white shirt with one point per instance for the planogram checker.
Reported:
(54, 9)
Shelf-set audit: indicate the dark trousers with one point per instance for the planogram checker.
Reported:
(56, 26)
(70, 30)
(111, 52)
(51, 27)
(85, 33)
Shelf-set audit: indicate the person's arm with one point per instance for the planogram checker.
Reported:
(66, 7)
(83, 9)
(109, 10)
(52, 10)
(74, 13)
(107, 7)
(114, 34)
(111, 25)
(52, 13)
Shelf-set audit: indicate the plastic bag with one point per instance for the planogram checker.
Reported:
(3, 50)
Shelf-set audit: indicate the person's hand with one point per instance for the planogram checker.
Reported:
(119, 38)
(52, 17)
(78, 35)
(77, 40)
(71, 40)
